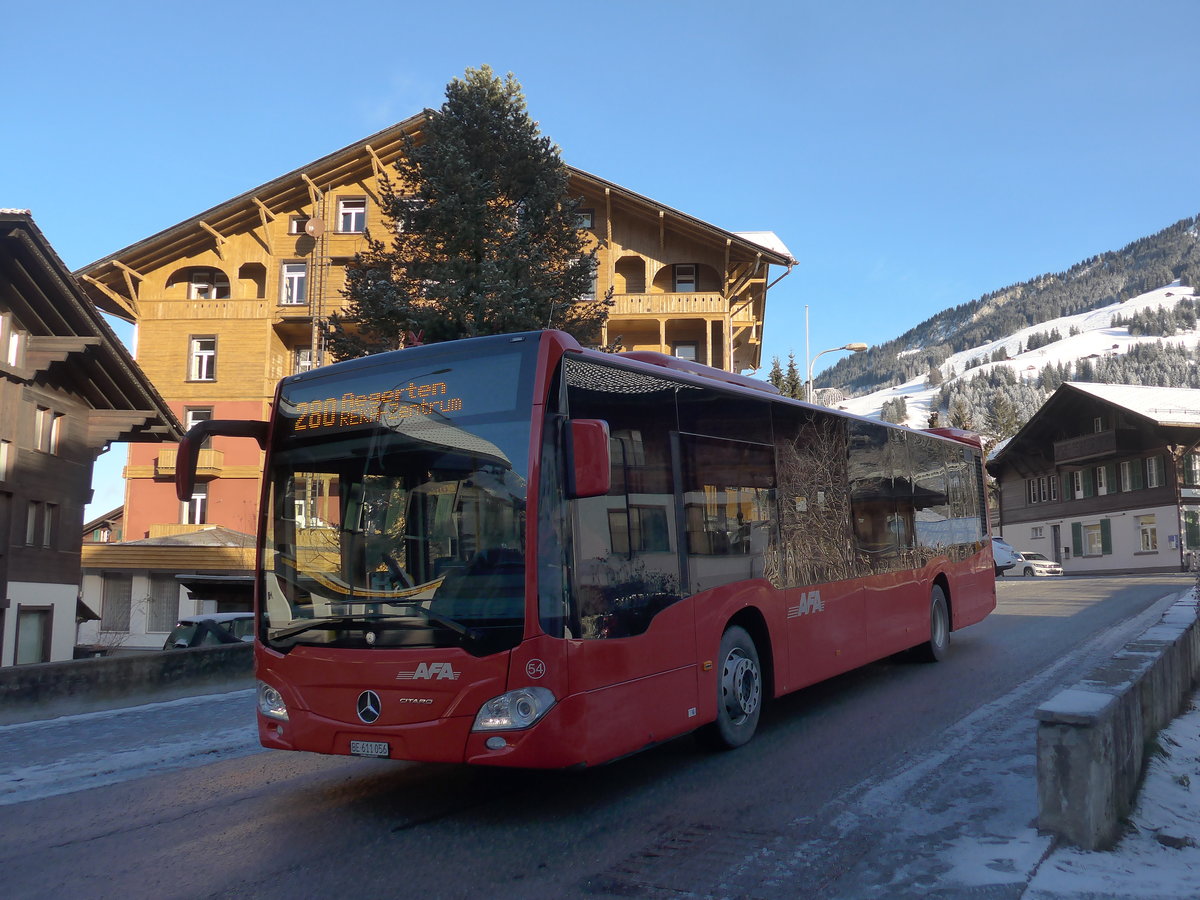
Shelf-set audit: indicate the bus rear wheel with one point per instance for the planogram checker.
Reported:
(935, 649)
(739, 692)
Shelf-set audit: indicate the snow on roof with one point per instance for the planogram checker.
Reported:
(1166, 406)
(768, 239)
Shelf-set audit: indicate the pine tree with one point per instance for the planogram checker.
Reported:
(775, 376)
(895, 411)
(483, 234)
(1002, 418)
(961, 413)
(792, 385)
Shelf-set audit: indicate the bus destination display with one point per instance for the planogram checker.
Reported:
(389, 407)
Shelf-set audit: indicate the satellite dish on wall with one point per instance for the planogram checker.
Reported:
(314, 227)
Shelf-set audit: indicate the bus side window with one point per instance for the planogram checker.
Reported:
(625, 562)
(873, 496)
(729, 509)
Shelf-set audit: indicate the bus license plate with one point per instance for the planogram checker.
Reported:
(369, 748)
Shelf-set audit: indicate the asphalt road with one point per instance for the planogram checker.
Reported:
(892, 781)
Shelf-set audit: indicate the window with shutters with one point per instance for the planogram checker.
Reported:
(1154, 472)
(1129, 474)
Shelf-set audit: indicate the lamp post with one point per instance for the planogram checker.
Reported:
(855, 347)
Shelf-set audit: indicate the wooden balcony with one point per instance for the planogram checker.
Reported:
(709, 304)
(1087, 446)
(209, 463)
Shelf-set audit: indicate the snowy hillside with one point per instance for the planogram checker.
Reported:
(1089, 335)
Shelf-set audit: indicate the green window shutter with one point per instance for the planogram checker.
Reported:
(1106, 536)
(1089, 483)
(1066, 486)
(1191, 524)
(1077, 538)
(1138, 475)
(1112, 478)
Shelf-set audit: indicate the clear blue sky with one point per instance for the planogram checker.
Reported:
(912, 156)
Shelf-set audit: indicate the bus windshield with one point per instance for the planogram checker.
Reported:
(397, 505)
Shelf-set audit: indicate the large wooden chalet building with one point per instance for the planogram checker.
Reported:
(228, 302)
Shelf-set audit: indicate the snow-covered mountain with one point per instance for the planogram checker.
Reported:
(1086, 338)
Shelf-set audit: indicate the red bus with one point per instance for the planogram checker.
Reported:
(512, 551)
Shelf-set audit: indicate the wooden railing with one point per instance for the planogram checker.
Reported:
(209, 463)
(1088, 446)
(668, 304)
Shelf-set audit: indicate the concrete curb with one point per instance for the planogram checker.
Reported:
(45, 690)
(1092, 738)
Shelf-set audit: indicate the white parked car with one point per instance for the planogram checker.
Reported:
(1032, 564)
(1004, 555)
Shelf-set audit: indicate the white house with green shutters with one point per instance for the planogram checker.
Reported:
(1105, 479)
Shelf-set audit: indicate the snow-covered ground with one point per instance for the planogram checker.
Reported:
(1096, 338)
(75, 753)
(1158, 856)
(954, 823)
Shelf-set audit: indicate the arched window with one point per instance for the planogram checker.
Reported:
(208, 284)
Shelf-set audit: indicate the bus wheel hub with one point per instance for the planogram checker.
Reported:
(741, 687)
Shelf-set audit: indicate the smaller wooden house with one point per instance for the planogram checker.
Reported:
(1105, 479)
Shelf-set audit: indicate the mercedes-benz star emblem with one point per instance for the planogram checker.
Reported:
(369, 706)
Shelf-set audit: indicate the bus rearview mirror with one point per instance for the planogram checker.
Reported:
(588, 469)
(189, 447)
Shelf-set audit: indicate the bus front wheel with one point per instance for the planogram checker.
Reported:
(739, 692)
(934, 650)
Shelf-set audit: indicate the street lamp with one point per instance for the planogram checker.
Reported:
(853, 348)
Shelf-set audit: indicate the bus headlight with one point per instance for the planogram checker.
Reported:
(270, 702)
(515, 710)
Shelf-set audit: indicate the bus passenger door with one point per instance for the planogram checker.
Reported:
(631, 641)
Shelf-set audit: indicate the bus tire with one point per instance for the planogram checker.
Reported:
(935, 649)
(739, 692)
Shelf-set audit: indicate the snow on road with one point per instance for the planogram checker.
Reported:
(73, 753)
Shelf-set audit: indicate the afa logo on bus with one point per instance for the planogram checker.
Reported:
(810, 602)
(438, 671)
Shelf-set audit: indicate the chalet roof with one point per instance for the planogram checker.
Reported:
(69, 343)
(1161, 405)
(1169, 408)
(109, 279)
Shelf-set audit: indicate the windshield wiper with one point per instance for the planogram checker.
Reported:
(368, 619)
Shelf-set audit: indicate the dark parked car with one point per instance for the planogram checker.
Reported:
(210, 630)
